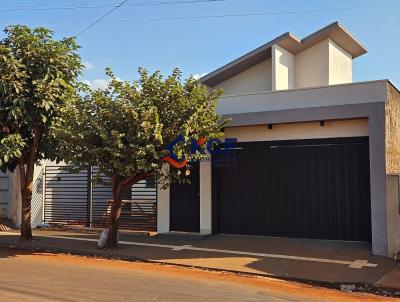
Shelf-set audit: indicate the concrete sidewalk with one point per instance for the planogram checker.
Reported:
(298, 259)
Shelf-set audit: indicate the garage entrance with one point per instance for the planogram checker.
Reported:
(316, 188)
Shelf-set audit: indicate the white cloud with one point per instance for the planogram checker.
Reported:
(88, 65)
(97, 83)
(199, 75)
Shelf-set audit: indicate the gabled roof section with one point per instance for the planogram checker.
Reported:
(335, 31)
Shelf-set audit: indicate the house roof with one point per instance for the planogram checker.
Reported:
(335, 31)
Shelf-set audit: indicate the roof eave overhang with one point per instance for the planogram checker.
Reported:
(335, 31)
(244, 62)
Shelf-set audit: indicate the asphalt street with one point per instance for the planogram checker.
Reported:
(50, 277)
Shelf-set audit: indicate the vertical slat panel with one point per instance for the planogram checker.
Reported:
(65, 195)
(306, 188)
(71, 198)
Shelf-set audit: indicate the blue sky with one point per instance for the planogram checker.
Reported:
(197, 46)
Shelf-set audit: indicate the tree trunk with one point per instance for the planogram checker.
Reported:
(119, 186)
(26, 178)
(26, 197)
(112, 237)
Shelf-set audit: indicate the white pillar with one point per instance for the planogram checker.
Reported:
(282, 68)
(162, 209)
(205, 198)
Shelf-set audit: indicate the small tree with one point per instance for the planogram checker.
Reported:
(37, 75)
(125, 130)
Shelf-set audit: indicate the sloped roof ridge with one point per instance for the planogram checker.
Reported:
(335, 31)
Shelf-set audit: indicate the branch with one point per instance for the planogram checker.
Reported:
(130, 181)
(33, 154)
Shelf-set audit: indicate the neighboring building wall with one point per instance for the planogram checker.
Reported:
(392, 139)
(282, 68)
(37, 196)
(312, 66)
(306, 130)
(340, 65)
(10, 194)
(255, 79)
(393, 214)
(5, 190)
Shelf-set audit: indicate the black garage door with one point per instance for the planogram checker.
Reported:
(304, 188)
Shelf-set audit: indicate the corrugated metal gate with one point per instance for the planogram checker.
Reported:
(72, 198)
(316, 188)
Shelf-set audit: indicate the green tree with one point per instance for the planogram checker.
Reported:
(126, 128)
(38, 74)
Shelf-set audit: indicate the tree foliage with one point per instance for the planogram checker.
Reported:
(126, 128)
(38, 74)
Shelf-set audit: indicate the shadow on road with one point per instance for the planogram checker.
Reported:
(11, 252)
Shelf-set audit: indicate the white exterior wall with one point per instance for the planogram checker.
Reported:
(282, 68)
(340, 65)
(345, 94)
(37, 194)
(312, 66)
(255, 79)
(323, 64)
(306, 130)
